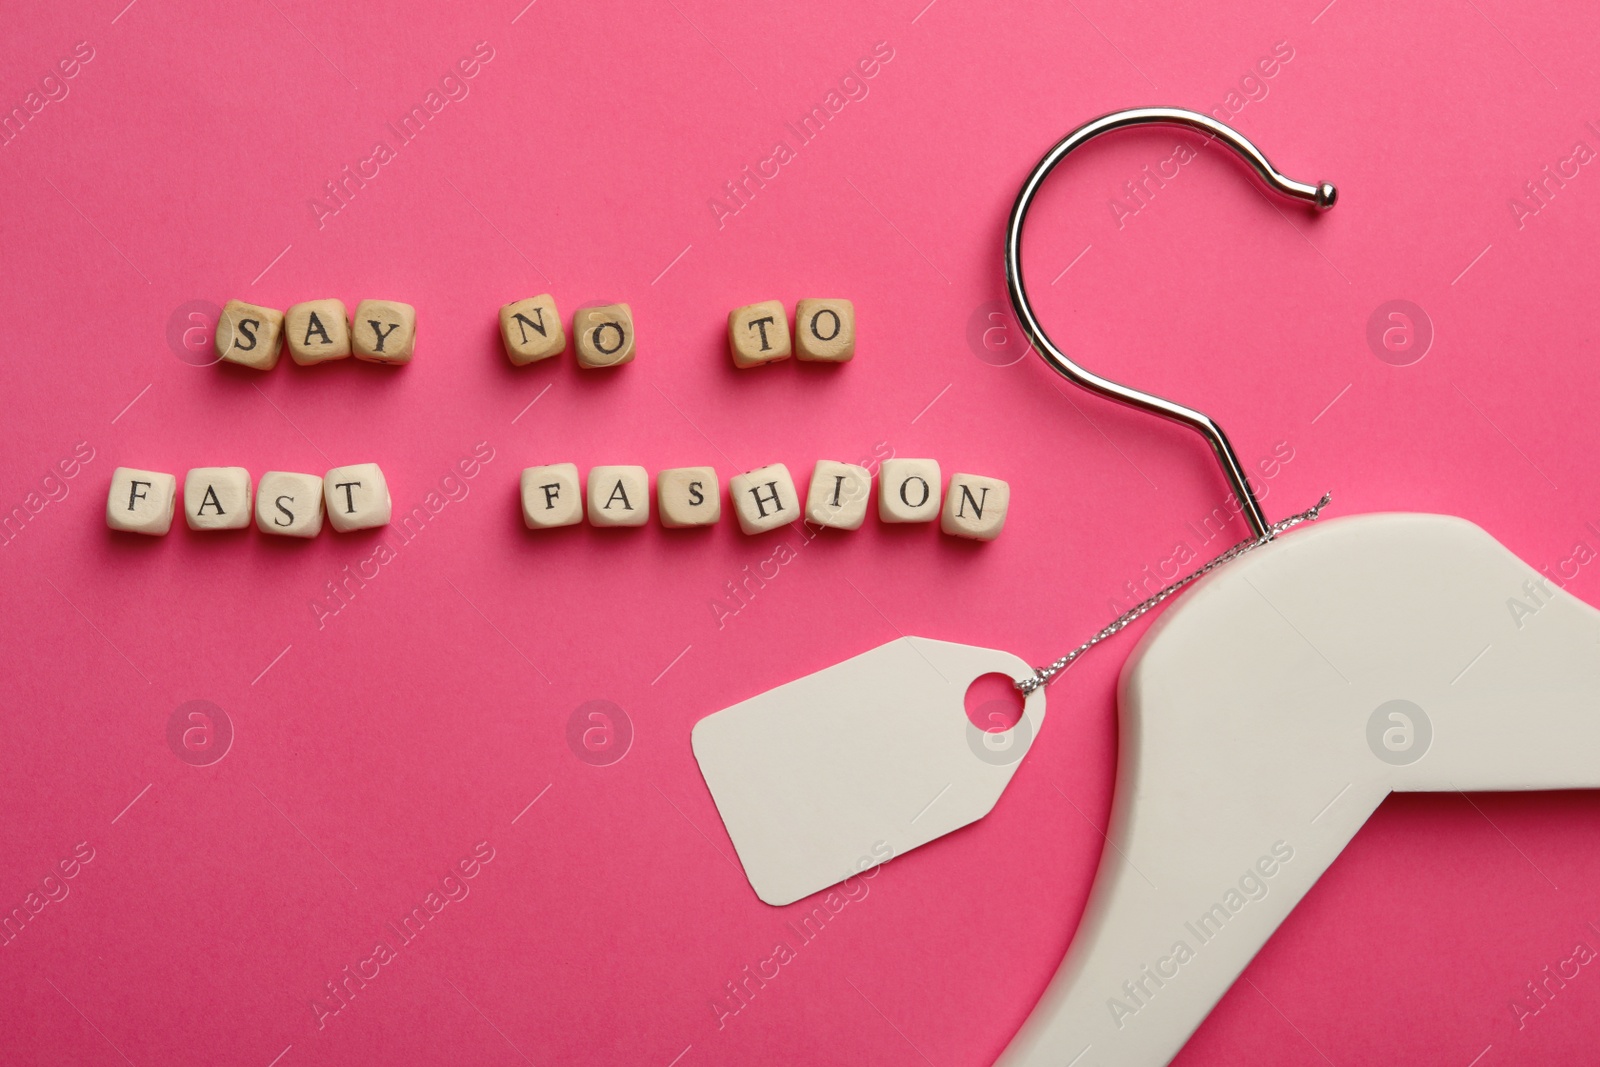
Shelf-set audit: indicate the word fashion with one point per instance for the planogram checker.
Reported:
(765, 498)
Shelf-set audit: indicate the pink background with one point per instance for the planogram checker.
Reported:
(375, 749)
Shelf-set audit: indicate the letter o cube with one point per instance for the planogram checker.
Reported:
(908, 490)
(357, 497)
(604, 335)
(825, 331)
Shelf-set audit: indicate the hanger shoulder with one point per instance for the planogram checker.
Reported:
(1260, 729)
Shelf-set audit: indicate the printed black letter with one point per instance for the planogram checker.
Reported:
(523, 322)
(836, 324)
(761, 506)
(925, 492)
(967, 498)
(761, 324)
(383, 334)
(315, 325)
(617, 491)
(350, 504)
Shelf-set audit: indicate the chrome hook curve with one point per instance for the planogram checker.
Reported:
(1322, 196)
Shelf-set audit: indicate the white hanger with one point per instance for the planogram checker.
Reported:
(1245, 726)
(1260, 729)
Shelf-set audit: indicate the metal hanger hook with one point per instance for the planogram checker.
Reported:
(1322, 196)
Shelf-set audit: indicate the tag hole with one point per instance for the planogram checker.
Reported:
(993, 703)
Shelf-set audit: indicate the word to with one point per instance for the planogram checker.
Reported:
(381, 331)
(219, 498)
(824, 332)
(909, 491)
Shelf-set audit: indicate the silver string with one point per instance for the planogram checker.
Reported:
(1044, 675)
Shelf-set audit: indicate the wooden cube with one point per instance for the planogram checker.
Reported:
(317, 331)
(975, 507)
(248, 335)
(217, 498)
(764, 499)
(531, 330)
(908, 490)
(604, 335)
(383, 331)
(357, 497)
(619, 496)
(825, 330)
(838, 495)
(551, 496)
(289, 504)
(758, 334)
(141, 502)
(688, 496)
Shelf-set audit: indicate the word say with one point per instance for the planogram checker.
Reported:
(220, 498)
(317, 331)
(531, 331)
(909, 491)
(824, 332)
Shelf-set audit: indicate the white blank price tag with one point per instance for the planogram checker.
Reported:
(843, 769)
